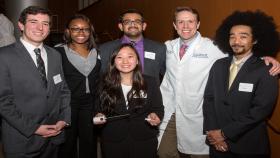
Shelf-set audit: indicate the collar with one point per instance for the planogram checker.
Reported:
(29, 46)
(190, 41)
(242, 60)
(126, 39)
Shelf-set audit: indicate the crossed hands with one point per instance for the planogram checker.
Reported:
(216, 138)
(50, 130)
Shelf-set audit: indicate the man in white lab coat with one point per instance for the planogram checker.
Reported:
(188, 62)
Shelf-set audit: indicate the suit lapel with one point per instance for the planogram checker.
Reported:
(176, 49)
(50, 68)
(25, 56)
(146, 48)
(121, 104)
(27, 59)
(226, 74)
(148, 63)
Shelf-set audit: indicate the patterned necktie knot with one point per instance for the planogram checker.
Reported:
(37, 51)
(133, 43)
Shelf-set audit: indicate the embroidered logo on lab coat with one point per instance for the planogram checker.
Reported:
(200, 55)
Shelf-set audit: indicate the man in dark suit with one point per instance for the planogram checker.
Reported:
(240, 94)
(152, 54)
(34, 98)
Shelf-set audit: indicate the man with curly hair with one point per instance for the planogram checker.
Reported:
(240, 94)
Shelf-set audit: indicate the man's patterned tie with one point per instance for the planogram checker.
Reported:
(41, 66)
(182, 50)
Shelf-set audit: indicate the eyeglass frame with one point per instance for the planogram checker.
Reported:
(78, 30)
(135, 22)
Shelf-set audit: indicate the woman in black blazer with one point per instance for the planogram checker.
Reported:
(130, 108)
(81, 68)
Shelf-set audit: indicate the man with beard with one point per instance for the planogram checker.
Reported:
(151, 53)
(240, 94)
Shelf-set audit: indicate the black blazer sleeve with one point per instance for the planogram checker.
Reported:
(156, 97)
(209, 114)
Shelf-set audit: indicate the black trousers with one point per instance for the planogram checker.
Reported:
(130, 148)
(217, 154)
(81, 134)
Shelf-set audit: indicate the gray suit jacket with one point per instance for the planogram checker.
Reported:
(24, 102)
(154, 68)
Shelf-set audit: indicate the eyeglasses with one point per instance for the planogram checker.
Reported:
(77, 30)
(135, 22)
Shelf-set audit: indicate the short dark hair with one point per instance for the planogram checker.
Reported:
(189, 9)
(135, 11)
(263, 28)
(92, 36)
(33, 10)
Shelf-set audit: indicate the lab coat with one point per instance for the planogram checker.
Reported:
(182, 90)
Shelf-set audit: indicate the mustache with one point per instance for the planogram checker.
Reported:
(133, 27)
(236, 45)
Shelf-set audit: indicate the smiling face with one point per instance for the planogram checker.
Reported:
(132, 25)
(126, 61)
(35, 29)
(241, 40)
(186, 25)
(79, 31)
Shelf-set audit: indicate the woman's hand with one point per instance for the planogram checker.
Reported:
(153, 119)
(99, 119)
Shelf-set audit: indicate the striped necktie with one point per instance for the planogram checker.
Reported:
(41, 66)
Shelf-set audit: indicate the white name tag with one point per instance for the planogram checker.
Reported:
(57, 79)
(246, 87)
(150, 55)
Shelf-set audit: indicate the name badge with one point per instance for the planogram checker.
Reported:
(150, 55)
(57, 79)
(245, 87)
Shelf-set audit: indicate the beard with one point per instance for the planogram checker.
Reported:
(240, 49)
(133, 32)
